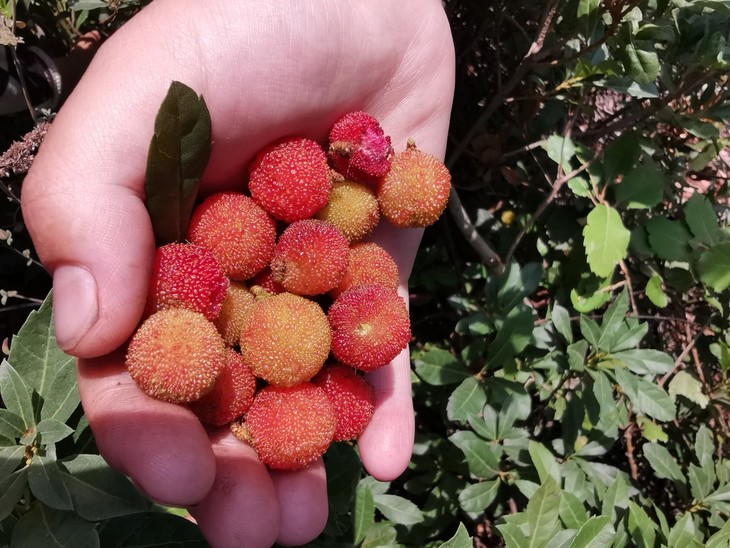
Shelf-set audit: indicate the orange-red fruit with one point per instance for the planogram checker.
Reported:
(286, 339)
(232, 394)
(290, 179)
(238, 232)
(289, 427)
(370, 326)
(236, 306)
(368, 263)
(176, 355)
(265, 280)
(415, 191)
(352, 208)
(310, 257)
(351, 396)
(186, 276)
(359, 148)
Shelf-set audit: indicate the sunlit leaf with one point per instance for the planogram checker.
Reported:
(606, 240)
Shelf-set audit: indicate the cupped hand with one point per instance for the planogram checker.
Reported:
(266, 70)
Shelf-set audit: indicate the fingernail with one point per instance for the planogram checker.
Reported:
(75, 305)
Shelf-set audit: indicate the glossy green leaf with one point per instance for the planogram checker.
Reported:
(669, 239)
(702, 219)
(512, 337)
(513, 536)
(683, 532)
(485, 424)
(545, 463)
(613, 318)
(572, 510)
(16, 394)
(641, 188)
(468, 398)
(37, 358)
(542, 513)
(615, 499)
(478, 496)
(621, 154)
(561, 320)
(439, 367)
(641, 528)
(701, 481)
(177, 156)
(381, 534)
(363, 512)
(704, 446)
(641, 61)
(645, 361)
(590, 330)
(714, 267)
(398, 509)
(606, 240)
(560, 150)
(597, 532)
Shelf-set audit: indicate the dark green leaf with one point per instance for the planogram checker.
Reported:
(545, 463)
(512, 337)
(513, 535)
(615, 499)
(631, 337)
(613, 318)
(669, 239)
(597, 532)
(645, 361)
(701, 218)
(704, 446)
(481, 456)
(701, 481)
(662, 462)
(621, 155)
(381, 534)
(12, 425)
(177, 157)
(468, 398)
(398, 510)
(43, 526)
(647, 398)
(10, 459)
(561, 321)
(515, 283)
(485, 424)
(97, 491)
(12, 489)
(560, 150)
(641, 188)
(590, 330)
(641, 61)
(150, 530)
(606, 240)
(16, 394)
(478, 496)
(62, 397)
(714, 267)
(439, 367)
(52, 431)
(46, 481)
(37, 358)
(363, 512)
(577, 355)
(461, 539)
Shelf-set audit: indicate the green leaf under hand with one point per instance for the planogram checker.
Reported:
(177, 157)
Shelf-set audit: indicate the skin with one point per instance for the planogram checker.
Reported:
(266, 70)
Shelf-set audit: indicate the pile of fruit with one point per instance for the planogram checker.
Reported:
(268, 315)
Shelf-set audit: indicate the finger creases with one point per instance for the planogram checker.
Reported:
(162, 447)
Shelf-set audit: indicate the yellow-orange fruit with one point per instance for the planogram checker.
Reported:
(370, 326)
(368, 263)
(289, 427)
(176, 355)
(351, 396)
(415, 191)
(237, 304)
(286, 339)
(239, 233)
(352, 208)
(310, 257)
(232, 394)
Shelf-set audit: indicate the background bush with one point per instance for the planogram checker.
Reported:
(570, 312)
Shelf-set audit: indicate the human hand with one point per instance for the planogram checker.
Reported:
(266, 70)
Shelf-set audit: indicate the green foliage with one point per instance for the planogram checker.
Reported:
(50, 491)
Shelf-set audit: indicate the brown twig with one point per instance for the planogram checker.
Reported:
(685, 351)
(485, 252)
(627, 277)
(629, 439)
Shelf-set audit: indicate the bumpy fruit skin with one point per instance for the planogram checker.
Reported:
(289, 427)
(351, 396)
(176, 355)
(239, 234)
(186, 276)
(359, 149)
(237, 305)
(370, 326)
(290, 179)
(232, 394)
(265, 280)
(310, 257)
(415, 191)
(368, 263)
(353, 209)
(286, 339)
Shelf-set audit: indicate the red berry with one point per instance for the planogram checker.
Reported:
(359, 148)
(351, 397)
